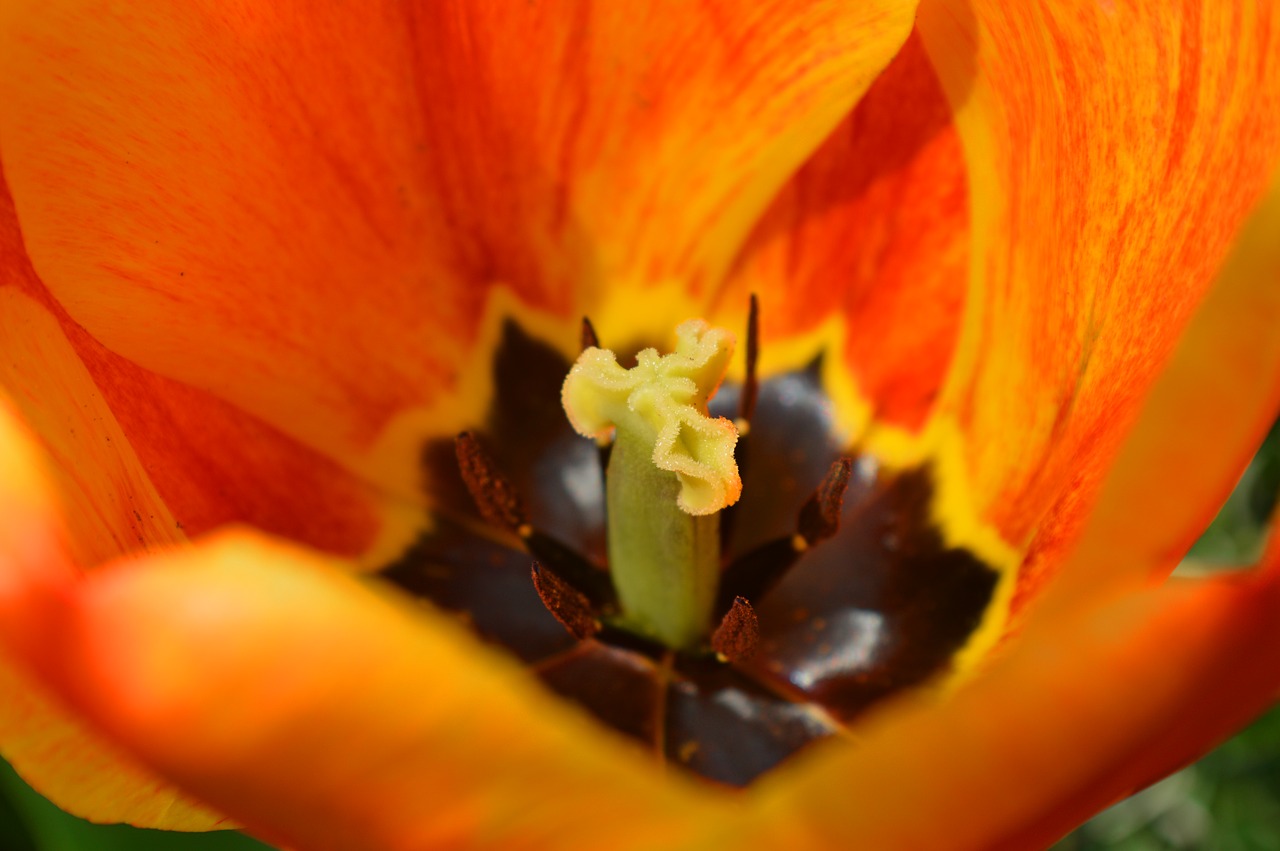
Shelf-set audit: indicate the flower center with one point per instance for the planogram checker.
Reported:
(670, 472)
(726, 649)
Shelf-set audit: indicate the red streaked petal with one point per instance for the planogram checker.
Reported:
(1204, 420)
(1113, 151)
(208, 462)
(872, 233)
(327, 715)
(1087, 708)
(174, 458)
(305, 211)
(110, 503)
(213, 464)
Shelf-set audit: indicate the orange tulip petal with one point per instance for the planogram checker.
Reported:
(74, 766)
(1204, 420)
(144, 460)
(327, 715)
(1088, 708)
(1113, 151)
(111, 505)
(321, 202)
(212, 464)
(82, 772)
(873, 232)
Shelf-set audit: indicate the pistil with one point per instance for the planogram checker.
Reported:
(670, 472)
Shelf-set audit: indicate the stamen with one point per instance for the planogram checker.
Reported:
(820, 516)
(736, 638)
(751, 384)
(573, 568)
(500, 504)
(753, 574)
(746, 409)
(604, 443)
(567, 604)
(494, 495)
(589, 338)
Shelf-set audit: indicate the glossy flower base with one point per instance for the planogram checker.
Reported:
(881, 607)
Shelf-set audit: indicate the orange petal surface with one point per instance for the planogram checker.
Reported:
(866, 249)
(306, 211)
(110, 503)
(1113, 151)
(101, 499)
(326, 715)
(1203, 422)
(48, 745)
(145, 460)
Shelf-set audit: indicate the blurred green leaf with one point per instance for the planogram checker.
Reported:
(30, 823)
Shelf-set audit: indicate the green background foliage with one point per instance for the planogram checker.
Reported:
(30, 823)
(1228, 801)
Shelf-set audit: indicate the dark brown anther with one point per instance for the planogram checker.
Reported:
(500, 504)
(736, 638)
(820, 516)
(494, 495)
(564, 561)
(567, 604)
(752, 574)
(589, 338)
(751, 384)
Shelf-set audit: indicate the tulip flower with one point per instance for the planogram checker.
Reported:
(1015, 271)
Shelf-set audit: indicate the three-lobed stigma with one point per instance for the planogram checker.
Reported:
(662, 401)
(671, 470)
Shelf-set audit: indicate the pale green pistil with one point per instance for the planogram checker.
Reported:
(670, 472)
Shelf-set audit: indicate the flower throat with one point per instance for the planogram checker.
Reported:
(666, 574)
